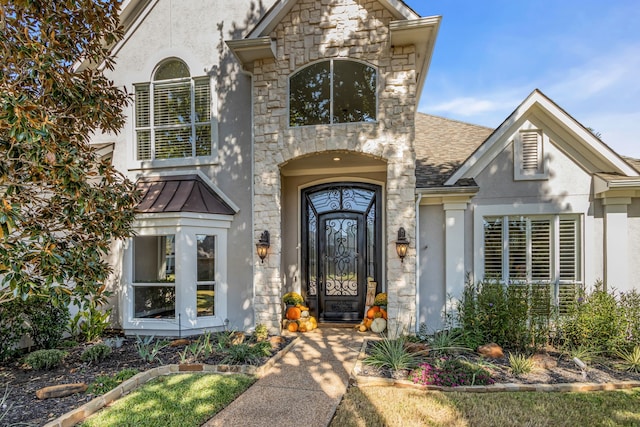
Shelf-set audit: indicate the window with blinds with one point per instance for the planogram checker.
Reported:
(534, 249)
(173, 114)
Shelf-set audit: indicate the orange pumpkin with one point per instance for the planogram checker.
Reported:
(293, 313)
(384, 313)
(372, 311)
(292, 327)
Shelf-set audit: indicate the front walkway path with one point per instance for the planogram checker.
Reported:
(303, 388)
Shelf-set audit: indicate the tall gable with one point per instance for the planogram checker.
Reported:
(539, 115)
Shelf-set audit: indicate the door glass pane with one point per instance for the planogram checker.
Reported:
(312, 282)
(341, 260)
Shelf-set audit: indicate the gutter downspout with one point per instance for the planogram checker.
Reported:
(417, 324)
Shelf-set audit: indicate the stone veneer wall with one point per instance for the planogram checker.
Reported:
(315, 30)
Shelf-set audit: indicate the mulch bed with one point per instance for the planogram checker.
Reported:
(553, 367)
(27, 410)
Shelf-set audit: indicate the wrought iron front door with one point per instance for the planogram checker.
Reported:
(342, 274)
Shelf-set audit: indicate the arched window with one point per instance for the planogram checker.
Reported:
(173, 114)
(333, 91)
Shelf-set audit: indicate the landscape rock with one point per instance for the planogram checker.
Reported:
(416, 347)
(491, 351)
(544, 361)
(61, 390)
(237, 338)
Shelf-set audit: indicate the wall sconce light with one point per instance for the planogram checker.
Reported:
(402, 244)
(263, 245)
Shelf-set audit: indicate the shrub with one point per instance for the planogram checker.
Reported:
(13, 326)
(392, 354)
(246, 354)
(148, 350)
(44, 359)
(449, 372)
(631, 359)
(261, 333)
(446, 342)
(595, 321)
(96, 353)
(630, 311)
(514, 316)
(47, 323)
(520, 364)
(90, 323)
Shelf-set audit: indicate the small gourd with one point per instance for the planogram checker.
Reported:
(362, 328)
(313, 322)
(292, 327)
(367, 322)
(293, 313)
(378, 325)
(302, 327)
(304, 313)
(384, 313)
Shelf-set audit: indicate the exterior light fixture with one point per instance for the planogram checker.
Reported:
(263, 245)
(402, 244)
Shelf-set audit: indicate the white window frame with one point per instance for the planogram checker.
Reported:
(185, 226)
(531, 211)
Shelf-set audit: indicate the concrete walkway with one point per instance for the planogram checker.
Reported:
(303, 388)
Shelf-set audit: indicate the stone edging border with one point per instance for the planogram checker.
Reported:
(364, 381)
(80, 414)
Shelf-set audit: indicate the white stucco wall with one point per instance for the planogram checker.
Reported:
(194, 31)
(431, 264)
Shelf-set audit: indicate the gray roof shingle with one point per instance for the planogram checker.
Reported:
(442, 145)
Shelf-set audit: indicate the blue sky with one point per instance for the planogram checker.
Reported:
(584, 55)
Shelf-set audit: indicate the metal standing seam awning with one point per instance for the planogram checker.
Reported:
(182, 193)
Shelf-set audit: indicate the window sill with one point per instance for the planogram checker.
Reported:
(172, 163)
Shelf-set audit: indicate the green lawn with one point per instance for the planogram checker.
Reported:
(181, 400)
(388, 406)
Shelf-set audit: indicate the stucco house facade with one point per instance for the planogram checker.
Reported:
(294, 123)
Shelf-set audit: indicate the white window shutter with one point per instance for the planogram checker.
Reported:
(530, 152)
(493, 248)
(540, 250)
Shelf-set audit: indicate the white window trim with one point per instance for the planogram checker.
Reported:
(185, 226)
(519, 173)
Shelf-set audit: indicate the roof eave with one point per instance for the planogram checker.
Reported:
(249, 50)
(421, 33)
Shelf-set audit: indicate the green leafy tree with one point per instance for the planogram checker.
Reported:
(61, 207)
